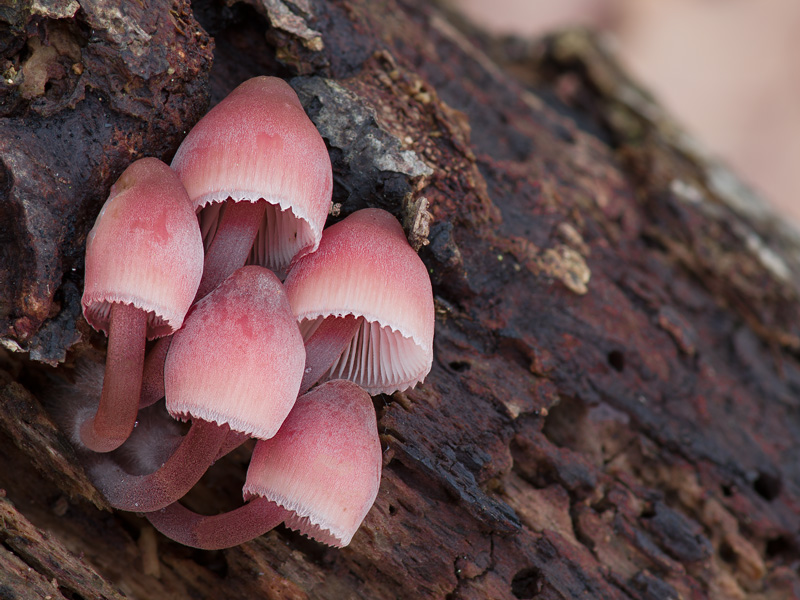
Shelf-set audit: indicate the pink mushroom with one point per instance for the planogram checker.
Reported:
(235, 365)
(144, 258)
(260, 172)
(320, 474)
(365, 306)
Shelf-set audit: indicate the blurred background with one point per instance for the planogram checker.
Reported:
(729, 70)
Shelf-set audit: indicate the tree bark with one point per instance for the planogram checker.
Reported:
(613, 406)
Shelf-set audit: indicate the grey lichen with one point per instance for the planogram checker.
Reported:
(370, 166)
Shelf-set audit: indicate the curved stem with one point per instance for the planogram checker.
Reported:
(153, 373)
(233, 440)
(326, 345)
(216, 532)
(232, 243)
(122, 384)
(146, 493)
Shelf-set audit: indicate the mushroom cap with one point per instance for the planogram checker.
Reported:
(364, 266)
(324, 464)
(145, 249)
(239, 358)
(258, 143)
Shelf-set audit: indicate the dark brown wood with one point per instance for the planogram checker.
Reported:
(614, 406)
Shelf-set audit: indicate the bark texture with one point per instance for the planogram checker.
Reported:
(614, 407)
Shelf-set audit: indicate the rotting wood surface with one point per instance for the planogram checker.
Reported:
(613, 407)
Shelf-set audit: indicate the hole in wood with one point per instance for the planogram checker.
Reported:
(781, 547)
(767, 486)
(527, 583)
(565, 424)
(727, 553)
(617, 360)
(648, 512)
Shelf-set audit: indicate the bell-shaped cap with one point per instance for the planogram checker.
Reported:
(365, 267)
(258, 143)
(324, 465)
(145, 249)
(239, 358)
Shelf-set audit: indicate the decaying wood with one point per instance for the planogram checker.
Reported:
(613, 410)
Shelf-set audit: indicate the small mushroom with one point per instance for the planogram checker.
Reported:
(235, 365)
(144, 259)
(364, 304)
(259, 173)
(320, 475)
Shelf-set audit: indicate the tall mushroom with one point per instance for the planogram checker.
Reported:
(259, 173)
(144, 259)
(236, 364)
(365, 305)
(320, 474)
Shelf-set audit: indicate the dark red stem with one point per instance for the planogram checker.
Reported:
(146, 493)
(233, 440)
(153, 376)
(119, 402)
(326, 345)
(216, 532)
(232, 243)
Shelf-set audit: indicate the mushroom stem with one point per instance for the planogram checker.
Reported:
(153, 375)
(232, 243)
(116, 413)
(216, 532)
(326, 345)
(233, 440)
(146, 493)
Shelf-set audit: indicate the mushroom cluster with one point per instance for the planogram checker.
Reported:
(194, 254)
